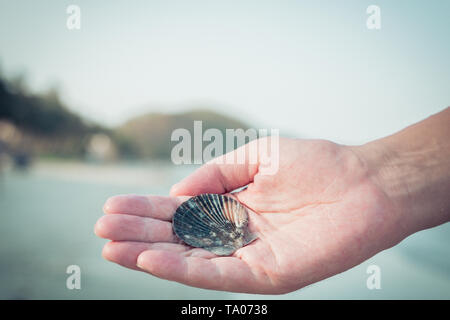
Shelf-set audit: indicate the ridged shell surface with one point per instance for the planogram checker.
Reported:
(214, 222)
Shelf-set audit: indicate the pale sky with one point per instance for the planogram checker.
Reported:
(309, 68)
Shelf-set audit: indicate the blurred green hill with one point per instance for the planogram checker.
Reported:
(41, 125)
(151, 133)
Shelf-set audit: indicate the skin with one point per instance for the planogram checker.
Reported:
(328, 208)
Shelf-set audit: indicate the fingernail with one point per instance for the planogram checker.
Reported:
(174, 188)
(138, 264)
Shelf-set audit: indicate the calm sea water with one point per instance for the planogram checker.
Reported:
(47, 218)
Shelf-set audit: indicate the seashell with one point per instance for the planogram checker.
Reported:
(213, 222)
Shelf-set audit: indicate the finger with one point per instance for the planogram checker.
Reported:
(121, 227)
(157, 207)
(223, 174)
(221, 273)
(126, 253)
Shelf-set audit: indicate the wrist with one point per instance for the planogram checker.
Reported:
(383, 168)
(414, 175)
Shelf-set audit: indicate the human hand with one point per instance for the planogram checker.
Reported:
(322, 213)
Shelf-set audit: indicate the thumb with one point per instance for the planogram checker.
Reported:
(222, 174)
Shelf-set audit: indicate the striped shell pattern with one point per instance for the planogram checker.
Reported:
(214, 222)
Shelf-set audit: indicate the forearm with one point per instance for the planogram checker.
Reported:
(413, 168)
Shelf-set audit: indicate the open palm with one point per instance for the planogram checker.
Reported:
(320, 214)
